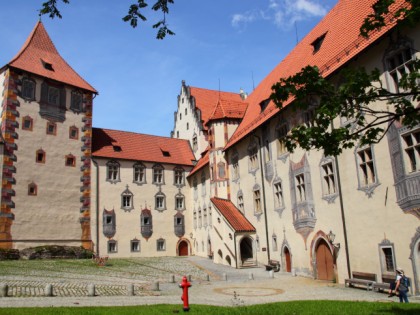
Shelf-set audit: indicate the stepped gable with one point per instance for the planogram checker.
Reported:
(206, 100)
(232, 214)
(39, 56)
(123, 145)
(340, 41)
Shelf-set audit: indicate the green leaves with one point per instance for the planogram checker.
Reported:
(134, 14)
(50, 8)
(353, 106)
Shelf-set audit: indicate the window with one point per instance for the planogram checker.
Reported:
(281, 142)
(185, 110)
(76, 101)
(158, 174)
(180, 116)
(70, 160)
(28, 89)
(309, 116)
(328, 178)
(221, 170)
(366, 166)
(194, 143)
(210, 217)
(205, 216)
(127, 200)
(53, 96)
(135, 246)
(203, 183)
(278, 195)
(177, 134)
(178, 176)
(179, 202)
(139, 173)
(411, 146)
(399, 61)
(257, 202)
(300, 188)
(146, 223)
(387, 257)
(275, 246)
(27, 123)
(317, 43)
(109, 223)
(195, 219)
(235, 166)
(160, 202)
(179, 227)
(32, 189)
(112, 246)
(188, 126)
(74, 133)
(200, 218)
(113, 172)
(253, 158)
(160, 245)
(40, 156)
(195, 188)
(51, 128)
(241, 202)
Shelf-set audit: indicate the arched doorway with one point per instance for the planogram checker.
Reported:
(246, 249)
(324, 261)
(287, 259)
(183, 248)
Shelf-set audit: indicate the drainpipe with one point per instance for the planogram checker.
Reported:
(97, 205)
(236, 252)
(343, 218)
(264, 202)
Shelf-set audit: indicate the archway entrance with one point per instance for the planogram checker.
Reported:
(287, 260)
(246, 250)
(183, 248)
(324, 262)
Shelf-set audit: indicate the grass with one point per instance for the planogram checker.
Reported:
(296, 307)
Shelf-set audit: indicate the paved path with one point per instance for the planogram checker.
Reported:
(227, 286)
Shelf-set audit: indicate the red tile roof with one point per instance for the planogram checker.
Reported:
(115, 144)
(206, 101)
(38, 50)
(203, 161)
(228, 109)
(342, 42)
(232, 214)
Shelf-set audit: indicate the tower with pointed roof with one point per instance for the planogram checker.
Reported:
(46, 127)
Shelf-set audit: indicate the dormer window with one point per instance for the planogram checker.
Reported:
(264, 104)
(166, 153)
(117, 148)
(317, 43)
(47, 65)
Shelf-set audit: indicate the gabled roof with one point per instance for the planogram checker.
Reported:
(206, 100)
(228, 109)
(115, 144)
(39, 56)
(232, 214)
(339, 37)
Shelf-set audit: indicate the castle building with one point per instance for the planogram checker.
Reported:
(223, 186)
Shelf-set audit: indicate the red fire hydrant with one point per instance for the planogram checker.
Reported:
(184, 285)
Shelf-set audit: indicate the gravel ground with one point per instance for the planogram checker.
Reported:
(211, 284)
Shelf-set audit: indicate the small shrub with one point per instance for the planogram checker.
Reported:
(9, 254)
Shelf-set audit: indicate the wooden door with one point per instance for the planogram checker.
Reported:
(183, 248)
(324, 262)
(288, 260)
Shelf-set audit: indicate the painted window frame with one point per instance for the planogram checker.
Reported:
(158, 174)
(28, 89)
(112, 246)
(139, 173)
(25, 120)
(113, 172)
(160, 201)
(135, 246)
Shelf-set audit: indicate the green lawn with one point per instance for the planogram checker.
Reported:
(296, 307)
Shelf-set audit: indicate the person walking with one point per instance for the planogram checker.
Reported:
(402, 285)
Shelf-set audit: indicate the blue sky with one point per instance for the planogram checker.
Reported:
(228, 44)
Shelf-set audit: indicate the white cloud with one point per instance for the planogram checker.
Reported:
(283, 13)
